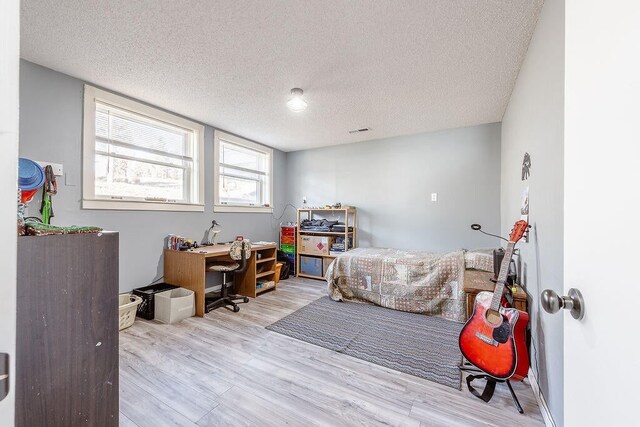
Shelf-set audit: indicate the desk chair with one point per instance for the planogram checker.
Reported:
(240, 251)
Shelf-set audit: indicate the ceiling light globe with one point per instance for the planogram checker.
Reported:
(296, 103)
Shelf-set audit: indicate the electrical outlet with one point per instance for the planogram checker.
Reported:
(57, 167)
(434, 197)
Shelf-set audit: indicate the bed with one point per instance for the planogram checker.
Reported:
(414, 281)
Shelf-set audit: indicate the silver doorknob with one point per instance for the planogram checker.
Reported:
(552, 302)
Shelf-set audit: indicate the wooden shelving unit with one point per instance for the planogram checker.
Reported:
(347, 215)
(265, 269)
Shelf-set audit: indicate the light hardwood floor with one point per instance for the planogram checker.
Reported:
(227, 369)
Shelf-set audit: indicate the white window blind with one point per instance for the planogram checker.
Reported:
(140, 157)
(243, 173)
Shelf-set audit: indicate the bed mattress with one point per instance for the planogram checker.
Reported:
(413, 281)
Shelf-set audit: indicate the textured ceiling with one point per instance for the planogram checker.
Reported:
(399, 67)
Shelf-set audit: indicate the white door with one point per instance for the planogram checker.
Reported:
(602, 200)
(9, 63)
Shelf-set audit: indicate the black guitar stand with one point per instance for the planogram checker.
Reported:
(489, 388)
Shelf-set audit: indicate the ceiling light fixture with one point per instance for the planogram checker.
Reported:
(297, 102)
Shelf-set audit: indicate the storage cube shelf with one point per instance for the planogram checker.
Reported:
(265, 272)
(251, 282)
(318, 244)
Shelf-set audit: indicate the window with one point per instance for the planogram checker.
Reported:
(139, 157)
(242, 175)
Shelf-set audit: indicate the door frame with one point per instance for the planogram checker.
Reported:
(9, 127)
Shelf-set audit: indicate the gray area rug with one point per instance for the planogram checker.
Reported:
(420, 345)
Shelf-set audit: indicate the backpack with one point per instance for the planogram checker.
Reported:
(285, 271)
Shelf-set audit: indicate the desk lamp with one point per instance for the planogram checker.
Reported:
(213, 233)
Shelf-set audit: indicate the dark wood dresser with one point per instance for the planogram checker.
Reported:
(476, 281)
(67, 330)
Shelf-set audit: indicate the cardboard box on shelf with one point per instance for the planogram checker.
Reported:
(317, 245)
(326, 262)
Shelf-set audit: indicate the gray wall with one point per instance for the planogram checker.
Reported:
(534, 123)
(51, 110)
(390, 181)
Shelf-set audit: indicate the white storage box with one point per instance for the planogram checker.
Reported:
(174, 305)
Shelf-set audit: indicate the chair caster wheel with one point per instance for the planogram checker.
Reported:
(245, 299)
(236, 309)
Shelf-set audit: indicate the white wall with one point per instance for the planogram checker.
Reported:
(534, 123)
(51, 111)
(390, 181)
(9, 57)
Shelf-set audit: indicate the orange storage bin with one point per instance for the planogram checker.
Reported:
(288, 240)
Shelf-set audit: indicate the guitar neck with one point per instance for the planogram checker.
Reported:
(502, 276)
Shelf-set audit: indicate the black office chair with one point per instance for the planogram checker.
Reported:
(240, 251)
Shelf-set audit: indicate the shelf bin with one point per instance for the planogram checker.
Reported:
(311, 265)
(175, 305)
(146, 309)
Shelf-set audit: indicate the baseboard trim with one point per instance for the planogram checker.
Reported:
(542, 403)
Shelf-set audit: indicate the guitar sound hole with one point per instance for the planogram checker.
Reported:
(493, 318)
(502, 332)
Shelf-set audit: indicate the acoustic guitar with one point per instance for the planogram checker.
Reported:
(494, 337)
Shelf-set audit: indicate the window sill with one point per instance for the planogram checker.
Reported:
(128, 205)
(242, 209)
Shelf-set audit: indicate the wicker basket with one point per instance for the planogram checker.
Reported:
(127, 309)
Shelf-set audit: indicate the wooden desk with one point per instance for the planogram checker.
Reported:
(188, 269)
(476, 281)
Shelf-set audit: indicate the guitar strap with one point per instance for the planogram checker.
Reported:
(489, 388)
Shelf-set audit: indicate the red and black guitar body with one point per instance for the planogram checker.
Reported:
(497, 347)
